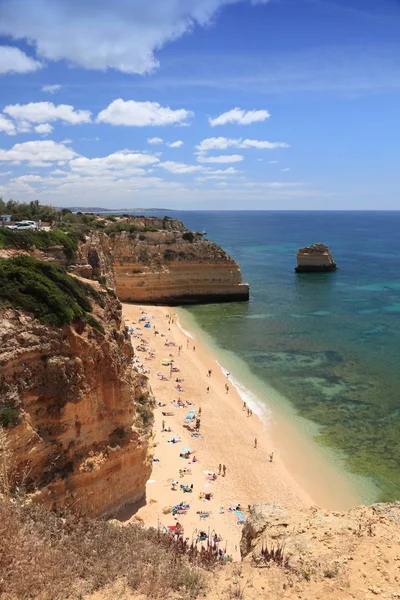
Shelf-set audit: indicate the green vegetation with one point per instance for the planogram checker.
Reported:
(188, 236)
(47, 291)
(42, 240)
(32, 211)
(9, 416)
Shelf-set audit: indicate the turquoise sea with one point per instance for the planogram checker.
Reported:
(328, 343)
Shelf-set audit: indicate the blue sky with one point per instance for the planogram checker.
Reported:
(201, 104)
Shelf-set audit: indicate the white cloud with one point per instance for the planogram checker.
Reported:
(285, 170)
(122, 35)
(179, 168)
(240, 116)
(273, 162)
(176, 144)
(13, 60)
(222, 143)
(52, 89)
(141, 114)
(123, 162)
(45, 112)
(37, 153)
(155, 141)
(224, 158)
(7, 126)
(44, 128)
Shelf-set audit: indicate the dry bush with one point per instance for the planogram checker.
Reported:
(46, 557)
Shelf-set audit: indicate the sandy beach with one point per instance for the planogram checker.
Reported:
(244, 443)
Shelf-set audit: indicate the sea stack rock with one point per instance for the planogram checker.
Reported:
(315, 259)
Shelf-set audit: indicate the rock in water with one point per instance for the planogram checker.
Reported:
(315, 259)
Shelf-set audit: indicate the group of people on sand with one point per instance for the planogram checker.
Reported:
(188, 454)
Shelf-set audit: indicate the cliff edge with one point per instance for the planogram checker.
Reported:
(153, 260)
(315, 554)
(77, 415)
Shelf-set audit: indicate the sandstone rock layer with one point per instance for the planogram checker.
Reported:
(84, 414)
(315, 259)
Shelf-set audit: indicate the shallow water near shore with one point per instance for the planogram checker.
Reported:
(327, 343)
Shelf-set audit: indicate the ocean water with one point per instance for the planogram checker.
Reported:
(327, 343)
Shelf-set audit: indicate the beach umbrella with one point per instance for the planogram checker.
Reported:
(165, 361)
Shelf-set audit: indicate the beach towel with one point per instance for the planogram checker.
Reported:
(240, 516)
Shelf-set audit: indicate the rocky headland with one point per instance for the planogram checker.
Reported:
(160, 261)
(315, 259)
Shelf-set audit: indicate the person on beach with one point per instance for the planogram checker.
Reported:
(163, 426)
(223, 470)
(219, 469)
(251, 412)
(208, 389)
(194, 348)
(226, 388)
(255, 442)
(271, 457)
(187, 343)
(244, 406)
(199, 411)
(248, 412)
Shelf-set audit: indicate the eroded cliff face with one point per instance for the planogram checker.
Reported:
(170, 266)
(85, 414)
(314, 259)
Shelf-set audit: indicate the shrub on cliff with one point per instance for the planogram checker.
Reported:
(45, 290)
(188, 236)
(42, 240)
(45, 557)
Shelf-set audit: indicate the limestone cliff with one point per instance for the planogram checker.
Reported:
(315, 258)
(84, 414)
(160, 261)
(314, 553)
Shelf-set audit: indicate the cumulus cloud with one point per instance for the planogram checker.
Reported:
(155, 141)
(7, 126)
(37, 153)
(141, 114)
(176, 144)
(52, 89)
(222, 143)
(179, 168)
(223, 158)
(122, 162)
(44, 128)
(13, 60)
(285, 170)
(95, 34)
(240, 116)
(45, 112)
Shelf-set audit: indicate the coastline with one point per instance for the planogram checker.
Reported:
(228, 437)
(318, 470)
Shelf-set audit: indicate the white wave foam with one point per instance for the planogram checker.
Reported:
(184, 331)
(251, 399)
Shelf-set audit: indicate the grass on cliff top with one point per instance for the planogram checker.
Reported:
(47, 291)
(42, 240)
(45, 557)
